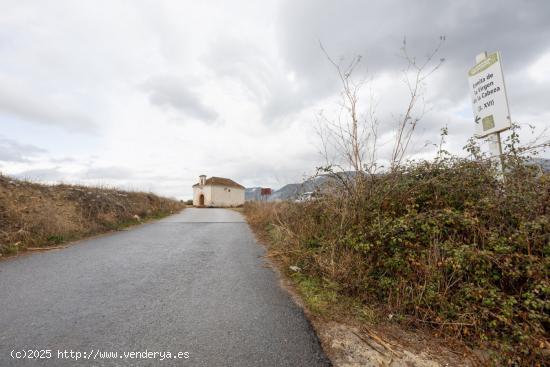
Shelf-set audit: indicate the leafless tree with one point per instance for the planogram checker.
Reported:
(353, 135)
(415, 75)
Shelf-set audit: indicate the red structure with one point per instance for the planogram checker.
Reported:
(265, 191)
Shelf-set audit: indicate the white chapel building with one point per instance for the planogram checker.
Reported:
(217, 192)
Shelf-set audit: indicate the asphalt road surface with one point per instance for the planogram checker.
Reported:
(192, 283)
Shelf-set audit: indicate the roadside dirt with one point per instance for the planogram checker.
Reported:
(348, 346)
(353, 345)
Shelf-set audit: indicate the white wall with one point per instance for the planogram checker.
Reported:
(219, 196)
(227, 196)
(206, 191)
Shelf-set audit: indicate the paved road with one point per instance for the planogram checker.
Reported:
(194, 282)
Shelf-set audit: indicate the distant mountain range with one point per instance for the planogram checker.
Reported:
(294, 190)
(290, 191)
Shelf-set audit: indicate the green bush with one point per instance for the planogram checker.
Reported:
(445, 245)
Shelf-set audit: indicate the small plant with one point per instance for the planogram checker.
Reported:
(55, 239)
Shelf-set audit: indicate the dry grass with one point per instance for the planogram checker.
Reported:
(34, 215)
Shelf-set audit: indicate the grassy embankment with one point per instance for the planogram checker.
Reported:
(439, 246)
(40, 216)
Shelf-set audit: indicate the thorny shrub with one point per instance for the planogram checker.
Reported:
(443, 244)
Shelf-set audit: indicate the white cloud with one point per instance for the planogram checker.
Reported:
(21, 103)
(161, 91)
(174, 92)
(539, 71)
(12, 151)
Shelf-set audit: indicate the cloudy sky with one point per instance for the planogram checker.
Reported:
(149, 94)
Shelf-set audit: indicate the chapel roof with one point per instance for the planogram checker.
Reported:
(221, 181)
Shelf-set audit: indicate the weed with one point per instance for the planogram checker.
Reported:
(56, 239)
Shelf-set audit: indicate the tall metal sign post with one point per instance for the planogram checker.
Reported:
(489, 101)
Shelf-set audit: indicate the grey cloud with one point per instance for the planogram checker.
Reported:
(42, 174)
(174, 92)
(111, 172)
(19, 104)
(81, 68)
(275, 173)
(264, 78)
(242, 61)
(375, 29)
(12, 151)
(63, 160)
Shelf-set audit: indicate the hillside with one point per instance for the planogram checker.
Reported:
(34, 215)
(289, 191)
